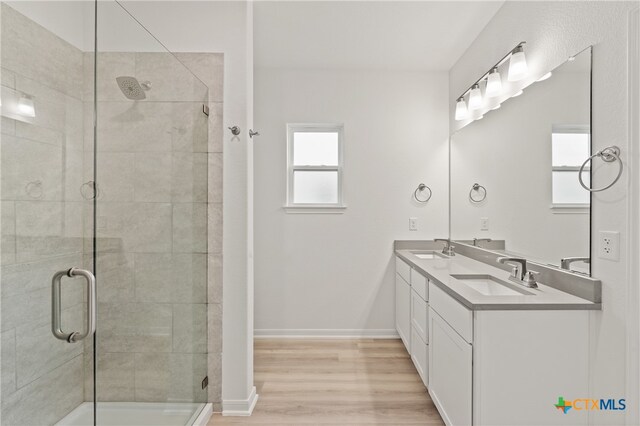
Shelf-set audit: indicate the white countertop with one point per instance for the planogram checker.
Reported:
(439, 271)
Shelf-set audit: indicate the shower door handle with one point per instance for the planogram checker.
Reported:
(56, 305)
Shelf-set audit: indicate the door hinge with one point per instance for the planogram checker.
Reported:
(205, 109)
(205, 382)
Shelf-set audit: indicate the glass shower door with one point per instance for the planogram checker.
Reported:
(106, 174)
(151, 228)
(47, 206)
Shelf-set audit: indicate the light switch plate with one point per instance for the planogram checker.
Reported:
(484, 223)
(413, 224)
(609, 247)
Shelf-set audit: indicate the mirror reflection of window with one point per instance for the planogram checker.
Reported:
(570, 147)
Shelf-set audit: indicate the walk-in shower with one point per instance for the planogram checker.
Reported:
(101, 182)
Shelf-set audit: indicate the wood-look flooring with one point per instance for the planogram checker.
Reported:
(336, 382)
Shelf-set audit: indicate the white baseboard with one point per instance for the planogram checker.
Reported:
(305, 333)
(204, 416)
(240, 407)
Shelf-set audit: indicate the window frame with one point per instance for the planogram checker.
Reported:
(561, 208)
(292, 207)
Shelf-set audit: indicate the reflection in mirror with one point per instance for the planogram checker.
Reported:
(527, 155)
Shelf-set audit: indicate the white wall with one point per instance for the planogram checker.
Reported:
(332, 273)
(405, 35)
(553, 31)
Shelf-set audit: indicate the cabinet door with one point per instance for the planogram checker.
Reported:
(403, 311)
(419, 314)
(450, 372)
(420, 356)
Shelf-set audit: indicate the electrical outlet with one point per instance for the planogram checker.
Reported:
(609, 245)
(484, 223)
(413, 224)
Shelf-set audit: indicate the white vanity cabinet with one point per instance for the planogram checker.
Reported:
(403, 310)
(505, 367)
(412, 313)
(403, 302)
(450, 359)
(420, 335)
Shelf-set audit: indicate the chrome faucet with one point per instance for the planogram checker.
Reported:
(448, 248)
(476, 241)
(520, 274)
(567, 261)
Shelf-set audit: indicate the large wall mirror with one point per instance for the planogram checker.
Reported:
(514, 173)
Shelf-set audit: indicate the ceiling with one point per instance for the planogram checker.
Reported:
(412, 35)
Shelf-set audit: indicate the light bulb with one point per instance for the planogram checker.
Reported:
(518, 93)
(544, 77)
(517, 65)
(26, 106)
(461, 109)
(494, 84)
(475, 98)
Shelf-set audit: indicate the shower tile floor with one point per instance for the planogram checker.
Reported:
(134, 414)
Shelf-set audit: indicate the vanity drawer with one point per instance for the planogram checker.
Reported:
(420, 284)
(419, 314)
(420, 356)
(454, 313)
(403, 269)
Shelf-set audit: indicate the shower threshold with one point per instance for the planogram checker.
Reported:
(134, 414)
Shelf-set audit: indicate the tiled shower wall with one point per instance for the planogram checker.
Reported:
(42, 224)
(159, 226)
(154, 245)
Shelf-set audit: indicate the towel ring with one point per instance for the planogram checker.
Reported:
(421, 188)
(477, 187)
(608, 155)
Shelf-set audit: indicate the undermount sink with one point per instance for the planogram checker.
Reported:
(489, 285)
(430, 254)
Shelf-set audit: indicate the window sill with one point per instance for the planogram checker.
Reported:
(570, 208)
(315, 209)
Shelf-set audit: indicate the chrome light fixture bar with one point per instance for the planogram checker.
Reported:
(494, 81)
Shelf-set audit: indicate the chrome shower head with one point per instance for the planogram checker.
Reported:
(131, 88)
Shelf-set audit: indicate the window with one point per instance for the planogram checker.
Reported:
(570, 146)
(314, 163)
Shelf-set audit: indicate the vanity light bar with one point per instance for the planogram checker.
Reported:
(517, 71)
